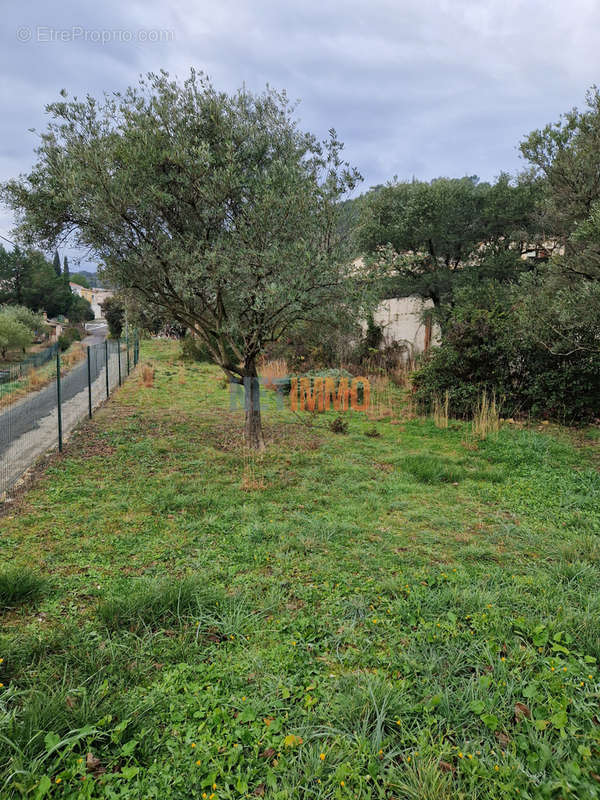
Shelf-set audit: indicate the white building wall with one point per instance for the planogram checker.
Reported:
(98, 297)
(400, 319)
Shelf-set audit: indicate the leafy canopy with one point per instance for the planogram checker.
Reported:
(27, 278)
(449, 233)
(213, 207)
(17, 326)
(562, 301)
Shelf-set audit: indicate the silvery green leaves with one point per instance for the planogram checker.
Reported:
(213, 207)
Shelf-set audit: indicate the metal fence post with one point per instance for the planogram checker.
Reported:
(106, 359)
(89, 370)
(59, 403)
(119, 353)
(127, 347)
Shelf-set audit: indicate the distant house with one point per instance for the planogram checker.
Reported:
(82, 291)
(55, 328)
(94, 296)
(400, 319)
(401, 322)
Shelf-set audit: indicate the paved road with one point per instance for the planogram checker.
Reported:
(23, 416)
(97, 332)
(29, 427)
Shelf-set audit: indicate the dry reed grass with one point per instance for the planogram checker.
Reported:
(148, 376)
(73, 355)
(36, 379)
(440, 410)
(272, 369)
(382, 399)
(486, 419)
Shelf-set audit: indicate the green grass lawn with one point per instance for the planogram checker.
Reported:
(408, 615)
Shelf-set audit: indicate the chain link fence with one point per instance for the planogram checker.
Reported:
(33, 421)
(19, 372)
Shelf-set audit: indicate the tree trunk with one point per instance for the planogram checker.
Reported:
(253, 432)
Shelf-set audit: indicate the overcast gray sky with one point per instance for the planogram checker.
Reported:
(414, 87)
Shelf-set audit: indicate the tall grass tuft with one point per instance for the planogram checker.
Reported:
(148, 376)
(430, 469)
(440, 410)
(486, 419)
(273, 369)
(153, 603)
(35, 380)
(20, 585)
(425, 780)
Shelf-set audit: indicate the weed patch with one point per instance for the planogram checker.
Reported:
(433, 469)
(408, 615)
(155, 603)
(20, 585)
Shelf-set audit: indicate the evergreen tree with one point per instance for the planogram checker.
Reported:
(66, 269)
(56, 263)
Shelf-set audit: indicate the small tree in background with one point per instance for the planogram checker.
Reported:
(80, 280)
(17, 328)
(56, 263)
(33, 321)
(113, 309)
(80, 310)
(215, 208)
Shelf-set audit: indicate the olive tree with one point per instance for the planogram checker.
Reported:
(449, 233)
(561, 304)
(215, 208)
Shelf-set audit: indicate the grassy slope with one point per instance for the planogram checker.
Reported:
(387, 601)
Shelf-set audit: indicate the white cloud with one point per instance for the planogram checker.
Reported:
(418, 87)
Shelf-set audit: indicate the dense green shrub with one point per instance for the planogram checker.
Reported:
(68, 336)
(113, 310)
(80, 310)
(193, 349)
(486, 347)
